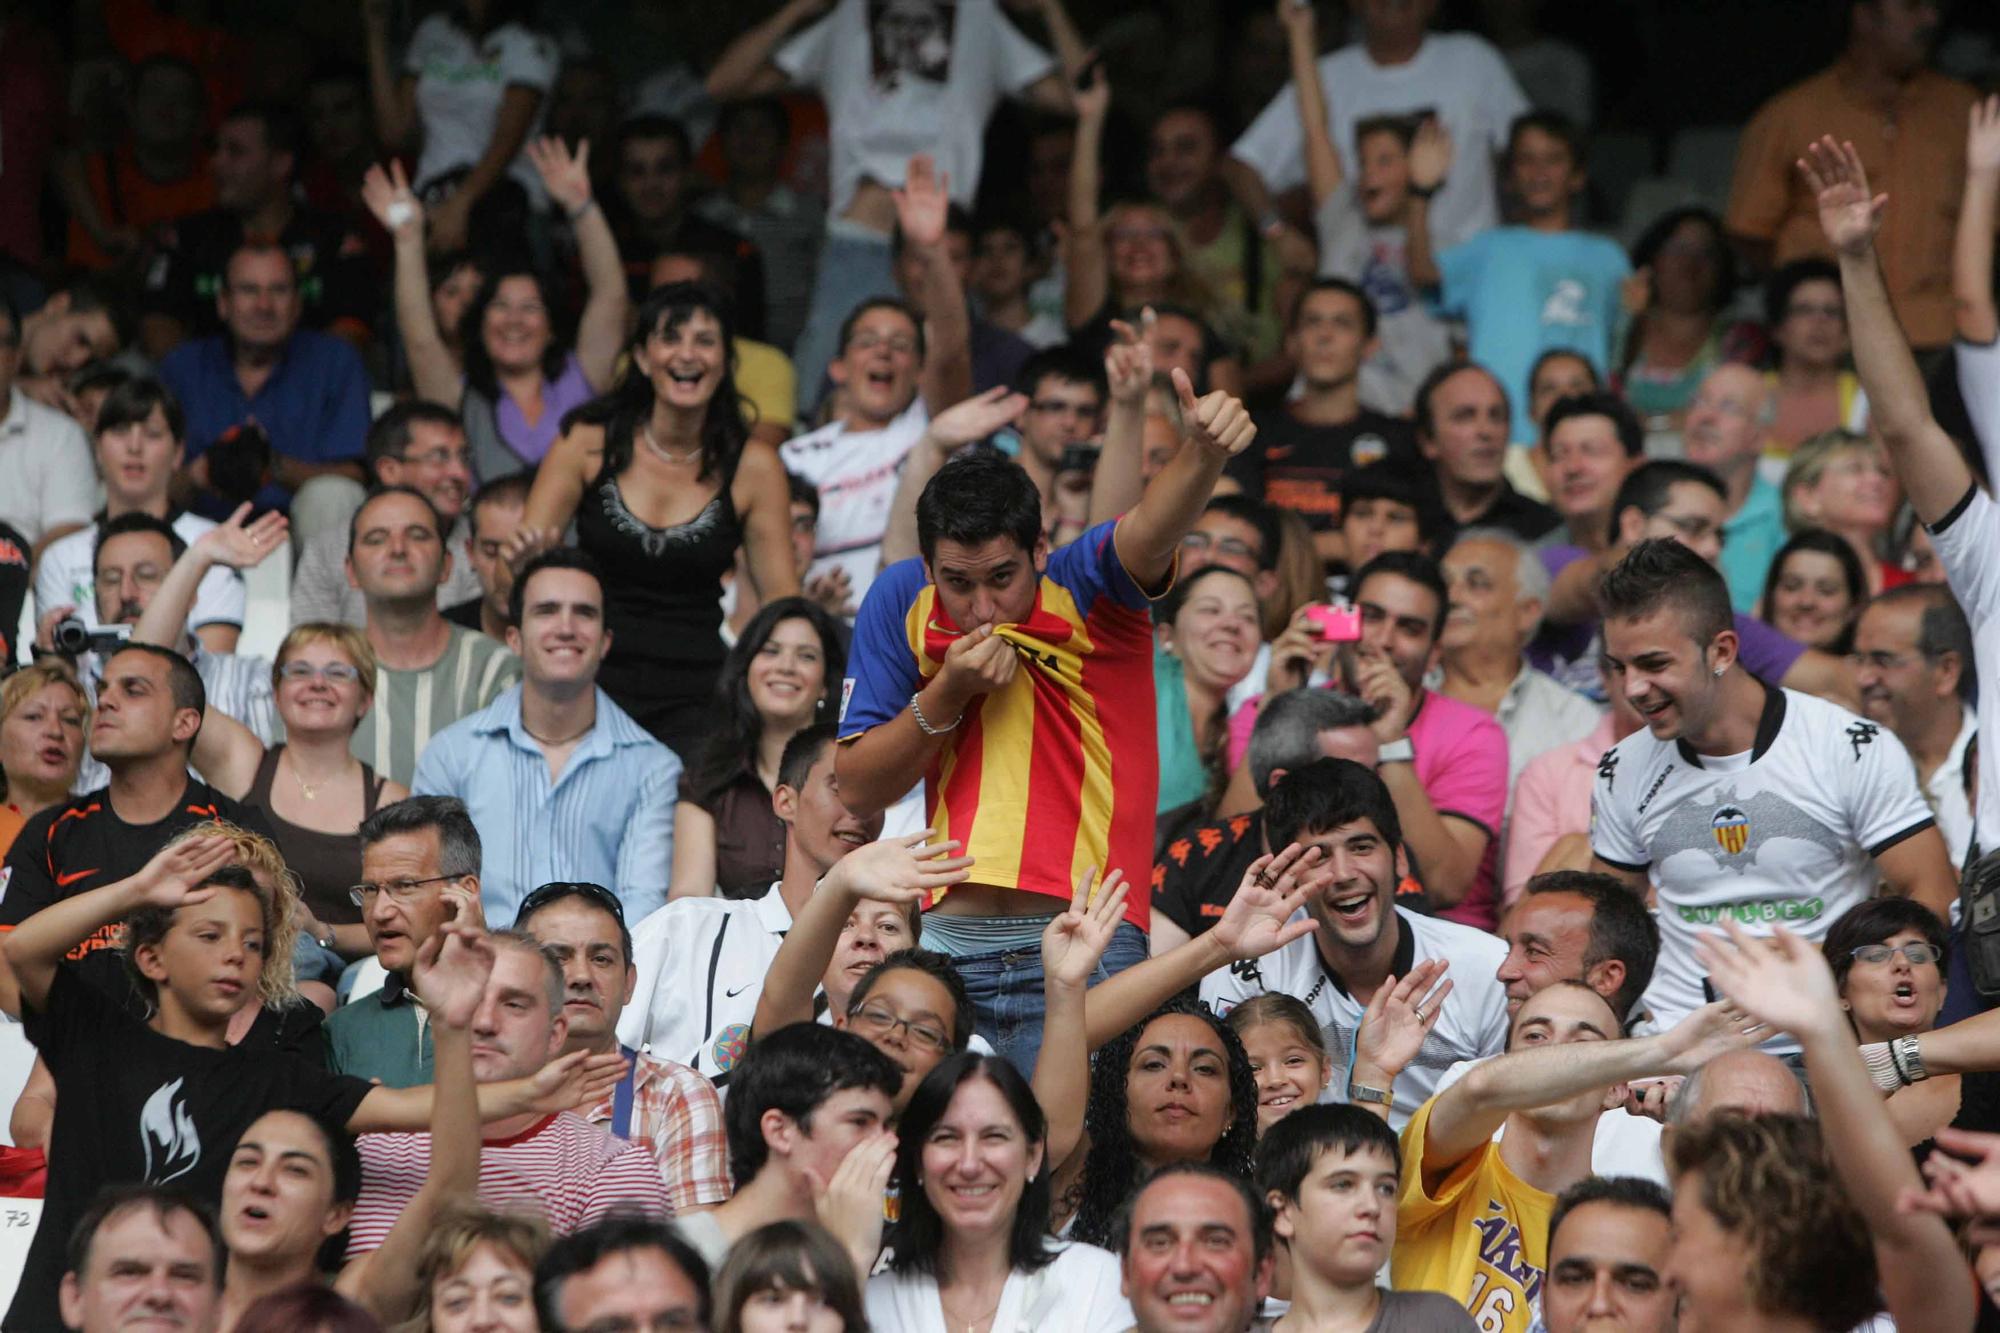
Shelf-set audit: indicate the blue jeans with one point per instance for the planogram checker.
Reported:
(852, 268)
(1006, 992)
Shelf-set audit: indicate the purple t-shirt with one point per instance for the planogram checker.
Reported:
(569, 389)
(1569, 652)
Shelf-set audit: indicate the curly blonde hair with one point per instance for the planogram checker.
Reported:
(1767, 1181)
(278, 891)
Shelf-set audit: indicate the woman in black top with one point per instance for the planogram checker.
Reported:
(664, 485)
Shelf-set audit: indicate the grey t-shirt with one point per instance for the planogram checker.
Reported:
(1402, 1312)
(1411, 341)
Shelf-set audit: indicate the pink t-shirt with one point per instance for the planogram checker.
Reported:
(1462, 764)
(1551, 799)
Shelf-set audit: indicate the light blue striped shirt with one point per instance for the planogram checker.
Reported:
(608, 819)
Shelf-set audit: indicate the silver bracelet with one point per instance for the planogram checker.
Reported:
(923, 723)
(1909, 1060)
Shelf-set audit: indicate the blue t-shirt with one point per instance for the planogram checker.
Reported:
(314, 406)
(1523, 292)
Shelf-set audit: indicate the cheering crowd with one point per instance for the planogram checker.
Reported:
(919, 680)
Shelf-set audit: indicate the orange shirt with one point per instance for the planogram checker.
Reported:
(125, 194)
(10, 826)
(1915, 154)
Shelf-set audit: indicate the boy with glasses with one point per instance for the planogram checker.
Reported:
(664, 1107)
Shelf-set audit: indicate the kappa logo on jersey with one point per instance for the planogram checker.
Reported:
(167, 1133)
(1736, 830)
(1860, 734)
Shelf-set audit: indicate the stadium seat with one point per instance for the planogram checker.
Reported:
(267, 611)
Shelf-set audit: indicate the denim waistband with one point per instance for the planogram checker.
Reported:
(968, 936)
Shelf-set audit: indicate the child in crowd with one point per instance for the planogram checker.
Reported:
(1287, 1054)
(1538, 283)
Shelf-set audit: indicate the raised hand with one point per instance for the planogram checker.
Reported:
(1399, 1016)
(1430, 154)
(1093, 97)
(388, 196)
(976, 418)
(1782, 981)
(1300, 22)
(1128, 361)
(240, 541)
(173, 878)
(1960, 1188)
(1074, 942)
(1218, 422)
(1848, 213)
(1294, 654)
(451, 972)
(1258, 919)
(833, 590)
(525, 543)
(849, 1203)
(1982, 139)
(900, 870)
(1712, 1030)
(1380, 685)
(462, 906)
(577, 1079)
(923, 202)
(565, 176)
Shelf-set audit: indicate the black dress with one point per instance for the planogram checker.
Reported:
(663, 606)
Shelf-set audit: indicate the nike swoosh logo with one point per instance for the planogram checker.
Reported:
(1277, 452)
(64, 881)
(732, 994)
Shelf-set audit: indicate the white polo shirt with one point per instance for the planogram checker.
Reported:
(701, 965)
(1473, 1024)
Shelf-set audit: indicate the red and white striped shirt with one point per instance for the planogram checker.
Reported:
(562, 1168)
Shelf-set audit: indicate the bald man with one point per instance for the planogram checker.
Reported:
(1727, 422)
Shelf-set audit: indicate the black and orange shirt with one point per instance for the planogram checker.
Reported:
(82, 845)
(1298, 466)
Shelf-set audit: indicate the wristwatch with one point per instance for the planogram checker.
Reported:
(1397, 752)
(1908, 1060)
(1361, 1092)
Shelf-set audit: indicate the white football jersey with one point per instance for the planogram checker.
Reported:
(1782, 834)
(856, 472)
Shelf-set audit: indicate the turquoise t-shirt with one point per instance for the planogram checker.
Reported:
(1523, 292)
(1182, 778)
(1750, 540)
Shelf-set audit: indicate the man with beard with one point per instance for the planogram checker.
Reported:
(663, 1106)
(1740, 800)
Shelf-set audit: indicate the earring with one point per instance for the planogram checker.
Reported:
(1719, 671)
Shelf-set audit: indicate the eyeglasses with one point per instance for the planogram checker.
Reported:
(1136, 235)
(879, 1020)
(1233, 547)
(1882, 661)
(334, 673)
(1917, 951)
(900, 344)
(557, 890)
(399, 890)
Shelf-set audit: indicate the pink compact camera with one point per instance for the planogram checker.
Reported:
(1336, 624)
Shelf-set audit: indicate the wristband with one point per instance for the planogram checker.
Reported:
(923, 723)
(1361, 1092)
(1397, 752)
(1882, 1067)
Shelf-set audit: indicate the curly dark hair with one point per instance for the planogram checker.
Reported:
(1113, 1169)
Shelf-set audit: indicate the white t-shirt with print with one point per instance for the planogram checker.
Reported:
(856, 473)
(66, 576)
(901, 77)
(1473, 1024)
(1782, 834)
(1968, 545)
(461, 82)
(1458, 76)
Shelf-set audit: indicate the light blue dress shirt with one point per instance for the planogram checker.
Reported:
(608, 819)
